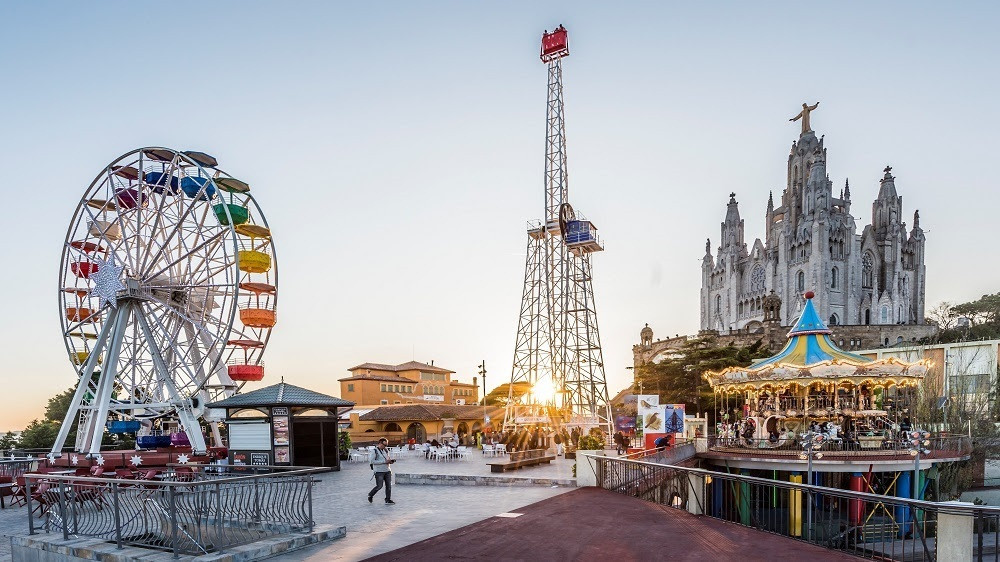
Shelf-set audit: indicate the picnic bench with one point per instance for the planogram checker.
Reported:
(517, 459)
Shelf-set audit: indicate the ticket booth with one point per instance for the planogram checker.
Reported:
(282, 424)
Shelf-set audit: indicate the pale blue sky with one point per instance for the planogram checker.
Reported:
(397, 152)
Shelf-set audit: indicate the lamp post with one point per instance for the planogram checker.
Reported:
(917, 441)
(482, 373)
(811, 442)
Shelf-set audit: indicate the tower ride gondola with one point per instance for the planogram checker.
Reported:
(557, 354)
(167, 296)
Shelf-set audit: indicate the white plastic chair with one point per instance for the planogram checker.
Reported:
(488, 450)
(501, 449)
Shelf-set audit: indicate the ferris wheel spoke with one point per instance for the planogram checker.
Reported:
(185, 318)
(211, 255)
(180, 223)
(181, 258)
(179, 358)
(117, 246)
(168, 172)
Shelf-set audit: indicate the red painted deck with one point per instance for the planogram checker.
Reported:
(595, 524)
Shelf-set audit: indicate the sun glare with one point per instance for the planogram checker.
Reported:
(543, 391)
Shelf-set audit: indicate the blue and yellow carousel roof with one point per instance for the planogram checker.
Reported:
(810, 356)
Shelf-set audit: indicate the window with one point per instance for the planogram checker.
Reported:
(383, 402)
(867, 269)
(718, 303)
(392, 426)
(397, 402)
(395, 388)
(757, 279)
(382, 387)
(834, 273)
(868, 316)
(801, 281)
(350, 387)
(834, 321)
(885, 316)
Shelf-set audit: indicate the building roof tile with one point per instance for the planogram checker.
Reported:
(281, 394)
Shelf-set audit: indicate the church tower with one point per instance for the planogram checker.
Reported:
(811, 242)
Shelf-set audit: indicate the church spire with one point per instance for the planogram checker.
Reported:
(847, 189)
(732, 229)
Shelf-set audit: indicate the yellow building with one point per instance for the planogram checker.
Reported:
(376, 384)
(419, 422)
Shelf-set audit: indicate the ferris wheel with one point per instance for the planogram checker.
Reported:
(167, 295)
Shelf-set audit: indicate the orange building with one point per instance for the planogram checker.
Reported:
(376, 384)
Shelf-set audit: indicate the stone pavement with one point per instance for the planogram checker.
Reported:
(421, 512)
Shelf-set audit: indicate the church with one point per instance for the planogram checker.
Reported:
(811, 242)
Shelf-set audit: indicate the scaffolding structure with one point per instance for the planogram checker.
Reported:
(557, 354)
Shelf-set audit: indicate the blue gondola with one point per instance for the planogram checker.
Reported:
(192, 186)
(118, 427)
(153, 441)
(162, 182)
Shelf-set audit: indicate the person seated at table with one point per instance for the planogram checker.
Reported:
(427, 449)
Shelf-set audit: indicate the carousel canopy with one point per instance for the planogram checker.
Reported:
(810, 356)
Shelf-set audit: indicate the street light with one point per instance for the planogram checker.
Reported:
(811, 442)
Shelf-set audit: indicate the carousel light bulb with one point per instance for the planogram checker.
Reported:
(927, 443)
(913, 452)
(802, 456)
(819, 455)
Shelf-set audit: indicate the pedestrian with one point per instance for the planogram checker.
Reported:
(427, 449)
(619, 442)
(379, 461)
(559, 444)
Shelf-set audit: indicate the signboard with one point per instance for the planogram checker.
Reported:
(260, 459)
(281, 455)
(625, 424)
(280, 430)
(460, 401)
(650, 412)
(673, 419)
(279, 411)
(434, 397)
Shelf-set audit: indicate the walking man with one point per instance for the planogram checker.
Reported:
(380, 461)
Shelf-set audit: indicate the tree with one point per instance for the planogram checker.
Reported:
(678, 378)
(500, 395)
(40, 434)
(8, 441)
(983, 316)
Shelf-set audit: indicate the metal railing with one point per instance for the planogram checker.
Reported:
(946, 446)
(863, 524)
(15, 467)
(185, 511)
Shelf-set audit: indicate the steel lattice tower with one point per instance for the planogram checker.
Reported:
(558, 345)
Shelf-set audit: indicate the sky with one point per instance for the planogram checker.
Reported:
(397, 151)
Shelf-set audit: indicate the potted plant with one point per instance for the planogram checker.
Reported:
(345, 445)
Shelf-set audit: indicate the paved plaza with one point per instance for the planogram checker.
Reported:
(421, 511)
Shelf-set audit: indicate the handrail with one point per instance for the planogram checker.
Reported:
(219, 480)
(940, 507)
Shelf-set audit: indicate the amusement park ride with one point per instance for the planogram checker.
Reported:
(557, 354)
(167, 295)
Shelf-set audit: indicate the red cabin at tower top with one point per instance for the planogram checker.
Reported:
(555, 44)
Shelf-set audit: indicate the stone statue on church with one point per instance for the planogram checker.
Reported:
(804, 116)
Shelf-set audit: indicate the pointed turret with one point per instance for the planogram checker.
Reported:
(732, 228)
(887, 207)
(847, 189)
(887, 187)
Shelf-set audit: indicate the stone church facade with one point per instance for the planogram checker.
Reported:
(872, 278)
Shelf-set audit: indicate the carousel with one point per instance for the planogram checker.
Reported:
(813, 387)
